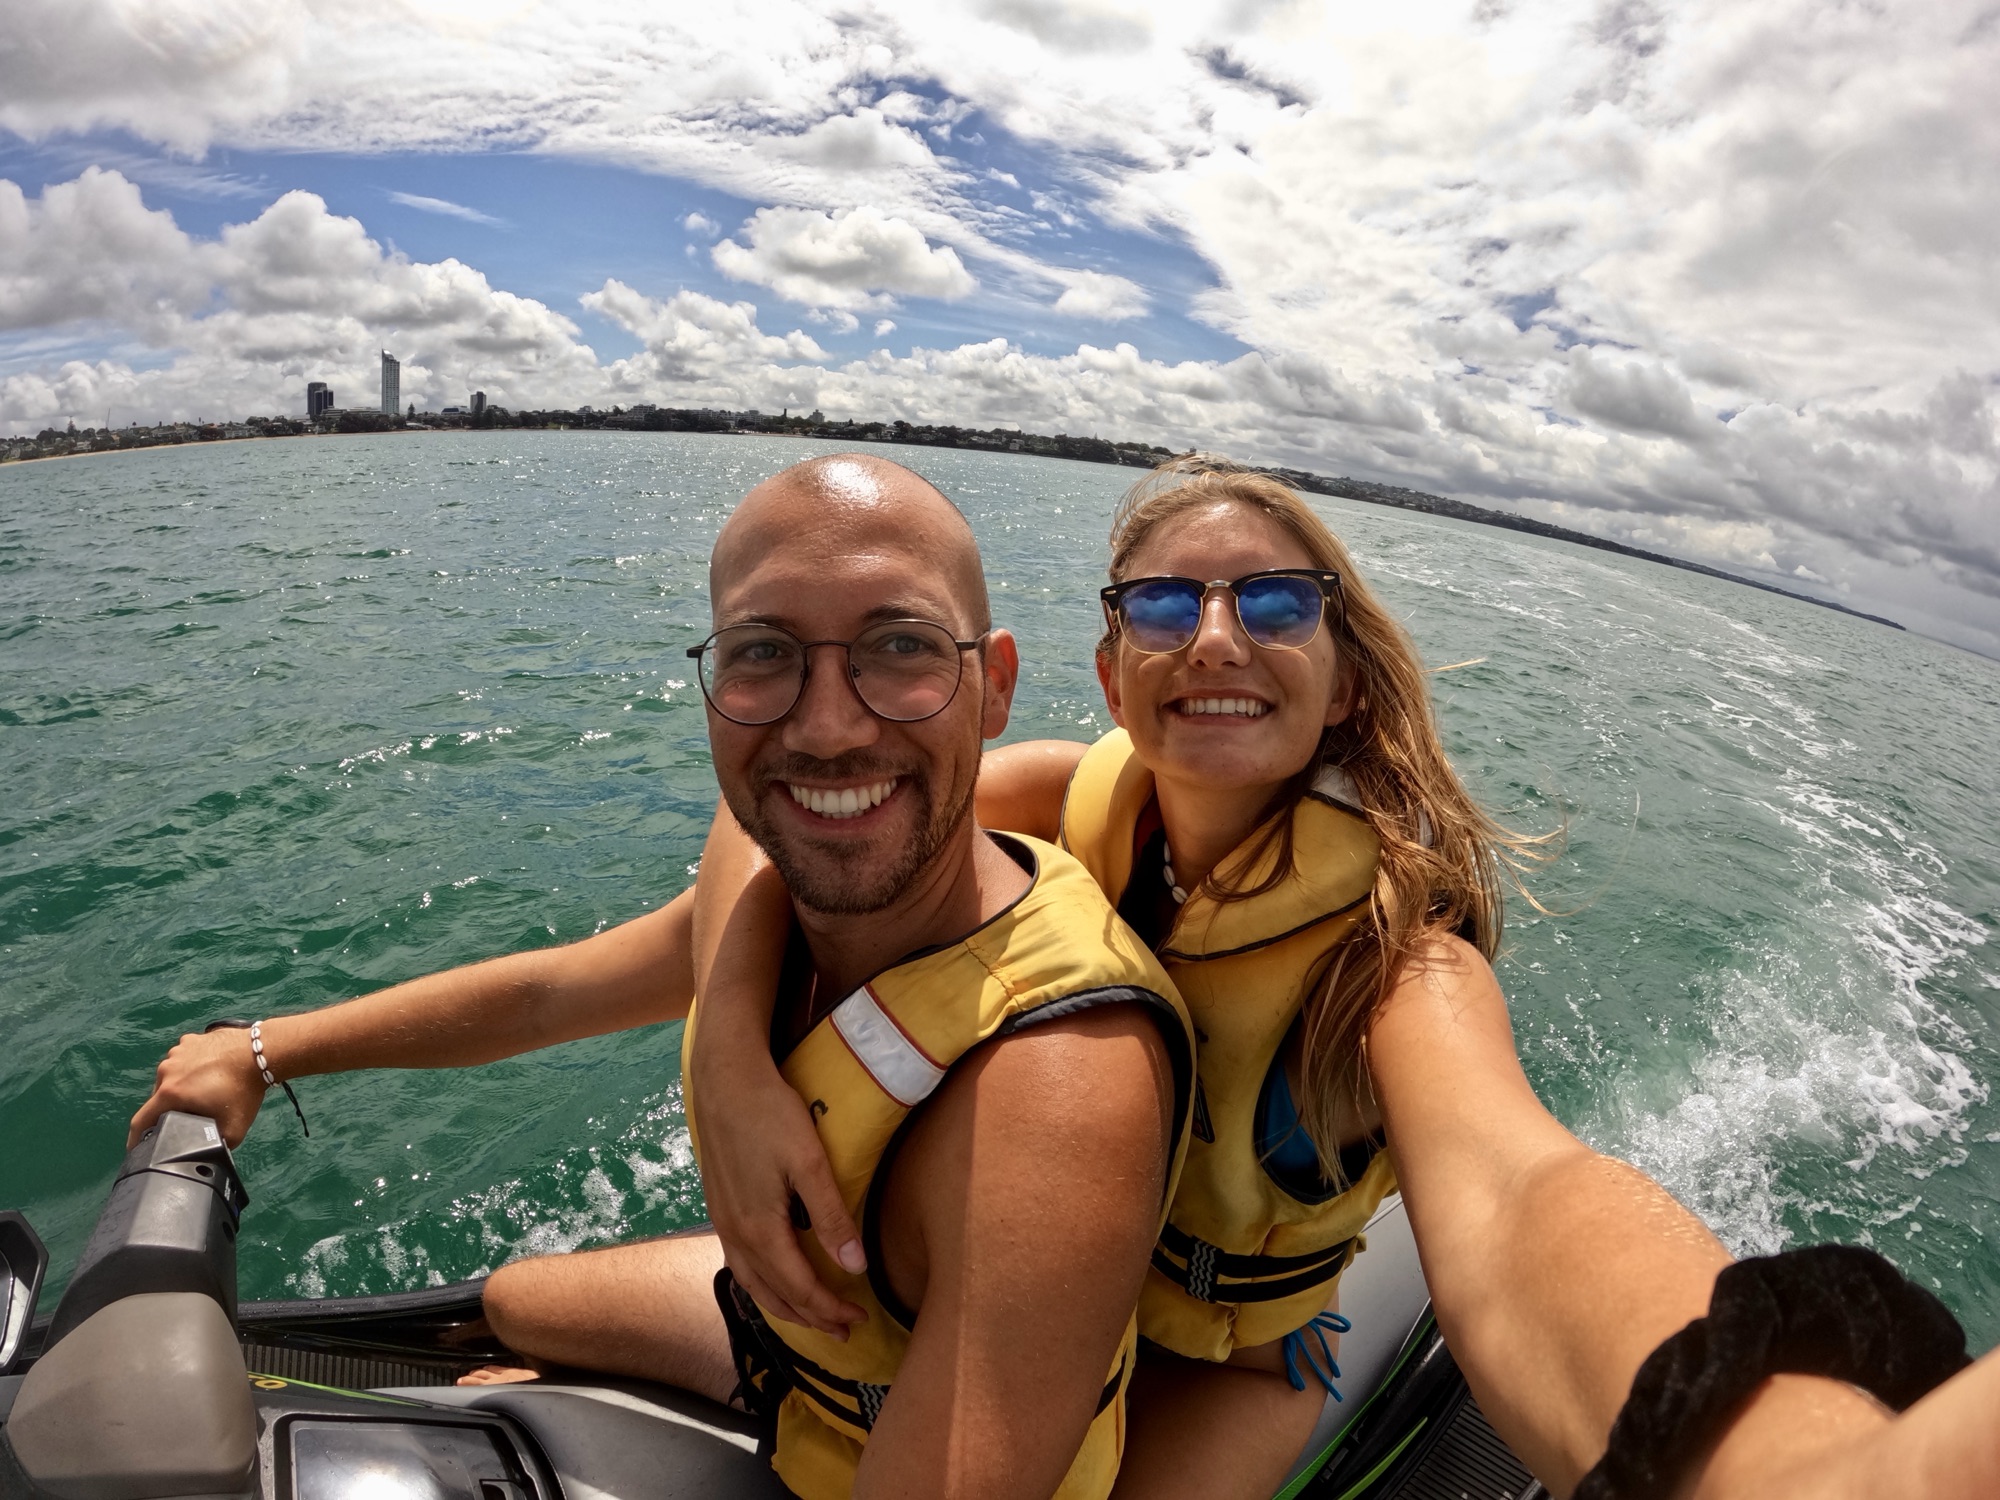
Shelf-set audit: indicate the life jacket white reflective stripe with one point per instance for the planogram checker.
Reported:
(898, 1065)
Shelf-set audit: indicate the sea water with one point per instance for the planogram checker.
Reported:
(285, 722)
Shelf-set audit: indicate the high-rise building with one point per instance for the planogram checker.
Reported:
(319, 398)
(478, 402)
(392, 383)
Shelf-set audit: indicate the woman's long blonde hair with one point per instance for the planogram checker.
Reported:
(1443, 857)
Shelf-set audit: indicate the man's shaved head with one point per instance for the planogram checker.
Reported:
(845, 507)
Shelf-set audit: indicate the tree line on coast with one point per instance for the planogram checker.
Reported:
(54, 443)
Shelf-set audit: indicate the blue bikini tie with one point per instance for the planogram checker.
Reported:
(1297, 1350)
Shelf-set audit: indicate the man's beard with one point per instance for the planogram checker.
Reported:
(837, 883)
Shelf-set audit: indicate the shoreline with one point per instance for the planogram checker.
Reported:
(56, 458)
(1081, 450)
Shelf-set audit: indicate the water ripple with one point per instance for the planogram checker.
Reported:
(331, 714)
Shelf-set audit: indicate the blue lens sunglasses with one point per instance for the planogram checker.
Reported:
(1280, 609)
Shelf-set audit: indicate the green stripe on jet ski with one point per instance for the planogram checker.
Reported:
(1376, 1473)
(285, 1382)
(1410, 1347)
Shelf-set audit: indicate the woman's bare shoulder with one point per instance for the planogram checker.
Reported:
(1444, 975)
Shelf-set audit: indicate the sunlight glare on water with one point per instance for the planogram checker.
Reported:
(287, 721)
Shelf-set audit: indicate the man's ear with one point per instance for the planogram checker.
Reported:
(1000, 666)
(1107, 678)
(1346, 690)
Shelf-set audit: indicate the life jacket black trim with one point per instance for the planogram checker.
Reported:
(767, 1367)
(1204, 1127)
(1202, 1285)
(1180, 1058)
(1212, 1275)
(1008, 845)
(1323, 917)
(1364, 1149)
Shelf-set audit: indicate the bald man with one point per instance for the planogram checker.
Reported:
(1005, 1107)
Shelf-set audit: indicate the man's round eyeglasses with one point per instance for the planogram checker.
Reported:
(901, 670)
(1281, 609)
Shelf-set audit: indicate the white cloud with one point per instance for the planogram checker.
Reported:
(1712, 272)
(854, 258)
(1095, 294)
(701, 223)
(1076, 25)
(91, 249)
(884, 327)
(445, 207)
(689, 336)
(246, 318)
(175, 71)
(1634, 395)
(862, 142)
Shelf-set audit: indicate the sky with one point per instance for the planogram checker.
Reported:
(1717, 279)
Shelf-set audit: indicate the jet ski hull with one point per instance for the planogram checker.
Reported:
(359, 1394)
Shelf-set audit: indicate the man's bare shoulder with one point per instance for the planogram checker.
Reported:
(1105, 1067)
(1060, 1132)
(1098, 1083)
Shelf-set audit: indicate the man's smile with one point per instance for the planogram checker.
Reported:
(835, 803)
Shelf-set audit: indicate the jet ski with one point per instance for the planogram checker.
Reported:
(150, 1380)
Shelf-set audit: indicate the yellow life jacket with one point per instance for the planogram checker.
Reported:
(1242, 1260)
(876, 1056)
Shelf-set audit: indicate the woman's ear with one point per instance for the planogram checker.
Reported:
(1346, 690)
(1107, 678)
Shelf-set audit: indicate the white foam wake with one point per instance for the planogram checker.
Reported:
(578, 1204)
(1827, 1048)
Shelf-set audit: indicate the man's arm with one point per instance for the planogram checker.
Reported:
(1021, 787)
(1554, 1271)
(635, 974)
(759, 1147)
(1019, 1217)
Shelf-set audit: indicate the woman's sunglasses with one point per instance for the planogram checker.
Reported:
(1281, 610)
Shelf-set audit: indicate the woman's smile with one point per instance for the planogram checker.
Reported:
(1236, 707)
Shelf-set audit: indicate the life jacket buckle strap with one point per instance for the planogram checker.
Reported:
(1201, 1271)
(767, 1367)
(1210, 1274)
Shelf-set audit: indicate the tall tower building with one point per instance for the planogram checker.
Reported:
(478, 403)
(392, 383)
(319, 398)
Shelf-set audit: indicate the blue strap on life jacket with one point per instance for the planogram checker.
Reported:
(1320, 1361)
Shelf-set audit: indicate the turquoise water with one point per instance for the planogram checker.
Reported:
(282, 722)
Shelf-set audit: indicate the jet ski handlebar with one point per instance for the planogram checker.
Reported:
(169, 1225)
(139, 1388)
